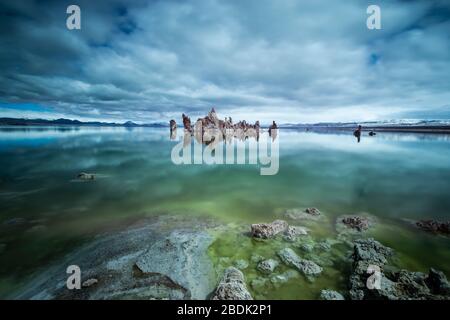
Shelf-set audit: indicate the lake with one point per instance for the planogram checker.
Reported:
(45, 211)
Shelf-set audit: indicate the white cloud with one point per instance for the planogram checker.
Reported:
(292, 61)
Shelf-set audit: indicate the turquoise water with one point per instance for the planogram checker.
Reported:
(46, 212)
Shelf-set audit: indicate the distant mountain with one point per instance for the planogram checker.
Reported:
(68, 122)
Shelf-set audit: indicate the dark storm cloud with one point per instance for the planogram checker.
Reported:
(288, 60)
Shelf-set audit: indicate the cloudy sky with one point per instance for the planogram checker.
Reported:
(287, 60)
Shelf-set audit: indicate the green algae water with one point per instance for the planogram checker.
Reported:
(45, 212)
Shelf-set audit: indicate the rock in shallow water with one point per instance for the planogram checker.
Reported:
(182, 257)
(284, 277)
(307, 267)
(293, 232)
(89, 282)
(111, 259)
(371, 251)
(331, 295)
(312, 211)
(307, 247)
(255, 258)
(86, 176)
(368, 281)
(356, 222)
(268, 230)
(232, 286)
(267, 266)
(241, 264)
(302, 214)
(258, 283)
(434, 226)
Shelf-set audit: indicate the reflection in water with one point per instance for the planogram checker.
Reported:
(215, 146)
(357, 133)
(173, 133)
(393, 176)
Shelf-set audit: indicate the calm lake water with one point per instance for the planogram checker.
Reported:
(45, 212)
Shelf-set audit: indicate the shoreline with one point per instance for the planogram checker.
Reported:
(396, 129)
(313, 128)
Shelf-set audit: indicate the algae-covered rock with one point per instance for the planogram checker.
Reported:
(258, 283)
(293, 232)
(284, 277)
(268, 230)
(307, 247)
(354, 223)
(241, 264)
(255, 258)
(307, 267)
(267, 266)
(434, 226)
(371, 251)
(302, 214)
(232, 286)
(331, 295)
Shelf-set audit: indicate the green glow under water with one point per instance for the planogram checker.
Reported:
(390, 176)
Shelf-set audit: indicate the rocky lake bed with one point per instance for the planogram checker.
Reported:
(111, 201)
(188, 257)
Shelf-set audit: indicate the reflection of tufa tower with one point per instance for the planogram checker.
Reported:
(173, 129)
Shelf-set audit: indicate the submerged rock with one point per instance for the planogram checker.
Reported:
(232, 286)
(307, 247)
(356, 222)
(302, 214)
(307, 267)
(182, 257)
(258, 283)
(255, 258)
(312, 211)
(283, 277)
(86, 176)
(268, 230)
(241, 264)
(167, 247)
(434, 226)
(325, 245)
(331, 295)
(349, 225)
(89, 282)
(293, 232)
(267, 266)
